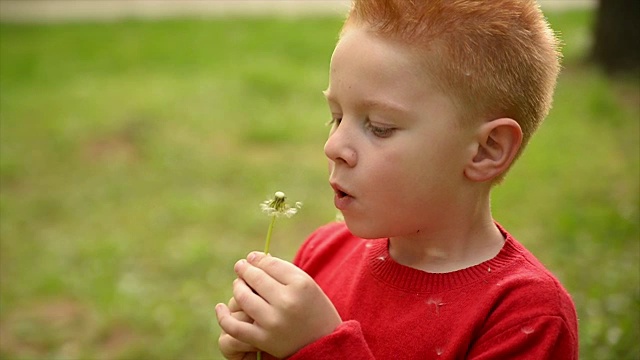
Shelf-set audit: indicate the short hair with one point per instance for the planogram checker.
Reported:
(496, 58)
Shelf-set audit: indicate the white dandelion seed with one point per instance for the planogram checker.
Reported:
(278, 206)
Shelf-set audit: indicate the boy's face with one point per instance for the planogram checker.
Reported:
(396, 149)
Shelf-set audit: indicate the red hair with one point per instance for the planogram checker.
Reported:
(496, 58)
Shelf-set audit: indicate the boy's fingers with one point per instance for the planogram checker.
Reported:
(251, 303)
(231, 347)
(240, 330)
(233, 305)
(282, 271)
(258, 280)
(242, 316)
(237, 312)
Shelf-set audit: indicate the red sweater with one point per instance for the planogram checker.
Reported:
(509, 307)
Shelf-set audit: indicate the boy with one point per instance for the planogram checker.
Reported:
(432, 101)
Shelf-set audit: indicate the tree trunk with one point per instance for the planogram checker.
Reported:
(617, 36)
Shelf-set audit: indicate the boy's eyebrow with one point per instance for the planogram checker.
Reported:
(372, 103)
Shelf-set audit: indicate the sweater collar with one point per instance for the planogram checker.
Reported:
(387, 270)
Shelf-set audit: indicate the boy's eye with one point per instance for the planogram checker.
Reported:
(334, 122)
(380, 131)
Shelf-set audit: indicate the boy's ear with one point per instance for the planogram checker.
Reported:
(498, 142)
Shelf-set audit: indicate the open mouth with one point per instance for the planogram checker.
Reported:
(342, 199)
(339, 192)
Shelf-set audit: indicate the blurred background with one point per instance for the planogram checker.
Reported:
(137, 139)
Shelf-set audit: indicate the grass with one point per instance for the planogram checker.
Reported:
(133, 157)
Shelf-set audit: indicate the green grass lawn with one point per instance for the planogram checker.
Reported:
(133, 157)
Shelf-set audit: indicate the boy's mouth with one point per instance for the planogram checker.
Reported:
(342, 199)
(338, 190)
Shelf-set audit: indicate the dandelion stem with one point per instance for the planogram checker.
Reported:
(274, 208)
(267, 242)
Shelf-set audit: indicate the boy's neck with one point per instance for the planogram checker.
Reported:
(459, 245)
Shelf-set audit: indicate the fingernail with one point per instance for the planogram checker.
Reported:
(252, 256)
(239, 263)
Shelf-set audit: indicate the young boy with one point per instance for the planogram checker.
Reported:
(432, 101)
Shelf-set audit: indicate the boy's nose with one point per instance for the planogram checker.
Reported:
(339, 146)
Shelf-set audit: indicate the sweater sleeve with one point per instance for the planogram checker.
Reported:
(540, 338)
(346, 340)
(314, 256)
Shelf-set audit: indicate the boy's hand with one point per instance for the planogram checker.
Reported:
(288, 308)
(231, 348)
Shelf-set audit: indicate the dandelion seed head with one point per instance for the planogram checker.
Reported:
(278, 206)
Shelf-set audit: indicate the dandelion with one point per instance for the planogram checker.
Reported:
(275, 208)
(278, 206)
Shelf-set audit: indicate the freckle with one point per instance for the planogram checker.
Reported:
(527, 330)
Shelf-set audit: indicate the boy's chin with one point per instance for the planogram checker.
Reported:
(363, 231)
